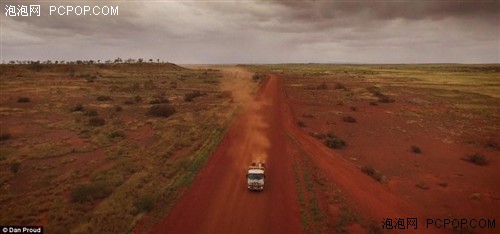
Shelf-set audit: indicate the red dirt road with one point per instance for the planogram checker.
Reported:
(218, 201)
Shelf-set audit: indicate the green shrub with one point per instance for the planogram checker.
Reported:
(331, 135)
(71, 72)
(88, 192)
(138, 99)
(370, 171)
(349, 119)
(339, 85)
(90, 79)
(384, 98)
(378, 93)
(225, 94)
(5, 136)
(334, 142)
(90, 112)
(77, 107)
(477, 159)
(149, 85)
(416, 149)
(103, 98)
(322, 86)
(117, 134)
(36, 66)
(173, 84)
(258, 76)
(23, 100)
(492, 144)
(160, 100)
(422, 185)
(189, 97)
(373, 89)
(96, 122)
(162, 110)
(144, 203)
(14, 166)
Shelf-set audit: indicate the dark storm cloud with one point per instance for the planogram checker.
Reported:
(264, 32)
(384, 9)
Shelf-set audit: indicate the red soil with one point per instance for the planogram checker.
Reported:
(219, 202)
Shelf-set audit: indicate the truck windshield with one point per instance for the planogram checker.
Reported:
(255, 176)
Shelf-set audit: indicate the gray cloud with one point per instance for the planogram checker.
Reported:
(384, 9)
(263, 32)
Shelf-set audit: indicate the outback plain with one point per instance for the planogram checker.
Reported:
(89, 148)
(162, 148)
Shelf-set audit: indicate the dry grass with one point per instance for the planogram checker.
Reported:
(438, 106)
(82, 176)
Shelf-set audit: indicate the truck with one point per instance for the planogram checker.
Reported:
(256, 176)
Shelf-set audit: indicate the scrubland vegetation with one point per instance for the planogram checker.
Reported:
(91, 148)
(427, 132)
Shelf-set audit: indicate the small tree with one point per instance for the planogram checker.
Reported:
(161, 110)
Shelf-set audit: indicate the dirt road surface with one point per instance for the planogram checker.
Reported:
(218, 200)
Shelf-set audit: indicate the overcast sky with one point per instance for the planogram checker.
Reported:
(261, 32)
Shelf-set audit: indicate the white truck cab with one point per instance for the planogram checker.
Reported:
(256, 176)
